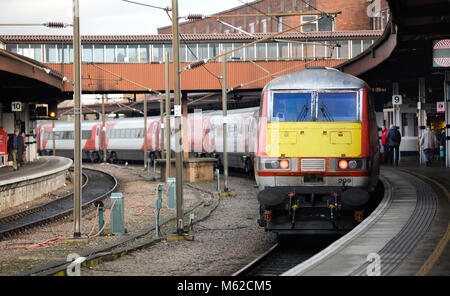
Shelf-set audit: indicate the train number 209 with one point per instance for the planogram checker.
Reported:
(344, 180)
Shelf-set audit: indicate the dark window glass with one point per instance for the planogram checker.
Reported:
(291, 107)
(336, 107)
(325, 24)
(356, 48)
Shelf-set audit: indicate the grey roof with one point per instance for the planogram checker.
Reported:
(316, 78)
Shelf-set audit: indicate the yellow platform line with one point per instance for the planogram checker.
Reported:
(32, 168)
(431, 261)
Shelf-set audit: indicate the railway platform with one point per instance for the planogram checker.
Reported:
(32, 180)
(406, 235)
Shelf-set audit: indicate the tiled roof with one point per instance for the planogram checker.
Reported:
(161, 38)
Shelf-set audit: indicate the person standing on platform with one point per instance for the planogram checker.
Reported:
(443, 143)
(394, 138)
(427, 142)
(24, 153)
(15, 148)
(385, 143)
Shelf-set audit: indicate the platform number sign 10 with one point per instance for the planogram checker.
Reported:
(396, 100)
(16, 106)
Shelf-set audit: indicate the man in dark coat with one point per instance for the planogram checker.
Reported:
(394, 137)
(15, 148)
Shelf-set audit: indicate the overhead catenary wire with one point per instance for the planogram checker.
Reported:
(148, 5)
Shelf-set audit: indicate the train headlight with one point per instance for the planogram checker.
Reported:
(348, 164)
(284, 164)
(276, 164)
(343, 164)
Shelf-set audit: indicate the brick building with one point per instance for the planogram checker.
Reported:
(354, 16)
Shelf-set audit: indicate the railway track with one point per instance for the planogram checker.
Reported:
(96, 186)
(287, 253)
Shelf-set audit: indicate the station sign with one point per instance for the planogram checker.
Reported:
(440, 107)
(16, 106)
(396, 99)
(441, 53)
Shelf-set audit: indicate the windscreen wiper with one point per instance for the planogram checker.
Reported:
(326, 114)
(303, 113)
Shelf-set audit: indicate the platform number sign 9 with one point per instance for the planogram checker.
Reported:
(396, 100)
(16, 106)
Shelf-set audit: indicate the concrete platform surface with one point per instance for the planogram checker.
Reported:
(407, 234)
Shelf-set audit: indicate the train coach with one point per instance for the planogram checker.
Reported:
(317, 156)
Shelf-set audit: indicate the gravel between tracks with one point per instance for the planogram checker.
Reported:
(137, 189)
(226, 241)
(223, 243)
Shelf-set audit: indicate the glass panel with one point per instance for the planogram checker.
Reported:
(87, 53)
(337, 107)
(202, 51)
(261, 50)
(332, 52)
(312, 27)
(37, 52)
(272, 50)
(214, 50)
(182, 53)
(168, 47)
(239, 53)
(98, 53)
(143, 53)
(250, 52)
(11, 47)
(296, 50)
(191, 52)
(227, 47)
(325, 24)
(110, 53)
(356, 47)
(308, 50)
(157, 53)
(284, 50)
(50, 53)
(121, 53)
(291, 107)
(343, 50)
(366, 44)
(320, 51)
(133, 54)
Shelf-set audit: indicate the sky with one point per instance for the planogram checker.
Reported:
(100, 17)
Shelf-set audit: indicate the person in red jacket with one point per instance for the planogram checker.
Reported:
(385, 143)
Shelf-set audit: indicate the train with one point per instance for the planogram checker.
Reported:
(317, 158)
(124, 138)
(312, 145)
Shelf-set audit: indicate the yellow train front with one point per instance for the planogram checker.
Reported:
(317, 154)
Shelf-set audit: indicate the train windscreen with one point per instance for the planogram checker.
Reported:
(291, 107)
(336, 107)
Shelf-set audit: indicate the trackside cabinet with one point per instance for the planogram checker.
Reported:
(117, 214)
